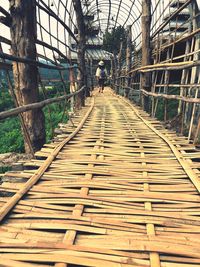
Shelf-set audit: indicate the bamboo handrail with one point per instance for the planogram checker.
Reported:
(179, 85)
(176, 97)
(168, 66)
(16, 111)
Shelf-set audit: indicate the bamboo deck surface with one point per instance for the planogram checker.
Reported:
(118, 190)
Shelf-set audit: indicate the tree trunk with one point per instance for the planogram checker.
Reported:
(80, 98)
(23, 37)
(146, 49)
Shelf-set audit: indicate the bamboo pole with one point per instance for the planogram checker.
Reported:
(197, 132)
(119, 58)
(29, 61)
(128, 60)
(182, 39)
(146, 50)
(167, 66)
(192, 117)
(21, 109)
(184, 75)
(176, 97)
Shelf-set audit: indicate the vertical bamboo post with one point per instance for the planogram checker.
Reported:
(184, 77)
(23, 44)
(115, 66)
(194, 77)
(72, 85)
(166, 82)
(146, 50)
(112, 69)
(119, 66)
(197, 132)
(192, 116)
(81, 78)
(91, 74)
(128, 60)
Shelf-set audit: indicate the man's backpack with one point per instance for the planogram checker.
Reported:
(102, 74)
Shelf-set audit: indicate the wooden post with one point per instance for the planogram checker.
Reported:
(72, 86)
(146, 50)
(114, 73)
(87, 77)
(166, 81)
(128, 59)
(23, 44)
(81, 78)
(91, 74)
(196, 137)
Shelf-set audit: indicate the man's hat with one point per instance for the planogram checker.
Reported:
(101, 63)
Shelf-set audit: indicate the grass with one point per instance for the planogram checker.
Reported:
(10, 129)
(4, 169)
(11, 138)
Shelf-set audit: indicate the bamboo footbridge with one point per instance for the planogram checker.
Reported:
(115, 189)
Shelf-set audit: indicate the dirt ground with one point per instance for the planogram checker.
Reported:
(8, 159)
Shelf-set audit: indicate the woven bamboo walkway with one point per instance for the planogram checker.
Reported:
(119, 191)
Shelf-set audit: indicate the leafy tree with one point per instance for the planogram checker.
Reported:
(112, 40)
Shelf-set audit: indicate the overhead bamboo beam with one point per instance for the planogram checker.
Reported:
(53, 49)
(5, 40)
(4, 12)
(49, 11)
(29, 61)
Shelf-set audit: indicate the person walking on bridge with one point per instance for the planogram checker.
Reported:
(101, 75)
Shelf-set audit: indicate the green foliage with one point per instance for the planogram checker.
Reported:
(11, 138)
(6, 101)
(112, 40)
(53, 116)
(50, 74)
(53, 90)
(4, 169)
(172, 105)
(10, 129)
